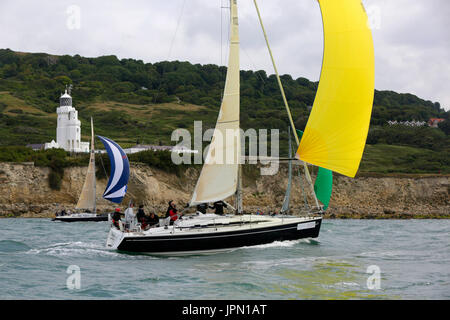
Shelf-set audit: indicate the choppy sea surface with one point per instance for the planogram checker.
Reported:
(351, 259)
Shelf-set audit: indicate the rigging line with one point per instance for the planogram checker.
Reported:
(170, 49)
(307, 175)
(255, 68)
(288, 189)
(303, 190)
(176, 29)
(277, 75)
(258, 76)
(103, 166)
(221, 42)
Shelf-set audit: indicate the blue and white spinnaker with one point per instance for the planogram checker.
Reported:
(120, 171)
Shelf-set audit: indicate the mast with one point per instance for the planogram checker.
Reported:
(308, 176)
(93, 164)
(239, 205)
(239, 202)
(285, 207)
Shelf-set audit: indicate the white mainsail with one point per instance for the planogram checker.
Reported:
(87, 197)
(219, 177)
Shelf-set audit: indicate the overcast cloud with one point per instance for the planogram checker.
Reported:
(412, 47)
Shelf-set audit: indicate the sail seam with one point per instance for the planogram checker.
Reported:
(231, 121)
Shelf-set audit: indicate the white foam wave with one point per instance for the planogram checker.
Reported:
(281, 244)
(74, 248)
(381, 254)
(347, 284)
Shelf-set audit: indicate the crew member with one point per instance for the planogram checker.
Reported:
(130, 217)
(153, 219)
(202, 207)
(141, 218)
(218, 206)
(173, 213)
(116, 218)
(169, 208)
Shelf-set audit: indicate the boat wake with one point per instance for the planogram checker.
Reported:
(283, 244)
(77, 248)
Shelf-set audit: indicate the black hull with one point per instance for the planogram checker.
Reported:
(86, 219)
(219, 240)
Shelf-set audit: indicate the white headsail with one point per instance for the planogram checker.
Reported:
(219, 177)
(87, 198)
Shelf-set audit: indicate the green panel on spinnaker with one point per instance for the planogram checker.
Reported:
(324, 182)
(323, 186)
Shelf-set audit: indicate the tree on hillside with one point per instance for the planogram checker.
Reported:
(445, 126)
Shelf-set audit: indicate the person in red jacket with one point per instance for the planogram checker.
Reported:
(173, 212)
(116, 218)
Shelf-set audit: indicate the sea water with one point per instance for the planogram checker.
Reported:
(351, 259)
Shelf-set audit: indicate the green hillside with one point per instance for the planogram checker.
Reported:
(136, 102)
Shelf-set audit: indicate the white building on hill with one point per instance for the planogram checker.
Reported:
(68, 131)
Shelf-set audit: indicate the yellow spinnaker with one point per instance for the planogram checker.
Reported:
(336, 132)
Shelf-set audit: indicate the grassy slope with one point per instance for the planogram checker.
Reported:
(383, 158)
(127, 123)
(24, 123)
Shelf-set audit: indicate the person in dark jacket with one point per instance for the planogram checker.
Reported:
(218, 206)
(171, 203)
(116, 218)
(153, 219)
(141, 218)
(202, 207)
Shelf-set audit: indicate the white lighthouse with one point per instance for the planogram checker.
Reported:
(68, 131)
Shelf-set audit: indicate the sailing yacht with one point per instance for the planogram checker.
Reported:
(345, 95)
(87, 204)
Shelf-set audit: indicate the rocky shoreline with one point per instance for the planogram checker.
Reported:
(25, 192)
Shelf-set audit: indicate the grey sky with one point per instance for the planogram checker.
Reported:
(412, 47)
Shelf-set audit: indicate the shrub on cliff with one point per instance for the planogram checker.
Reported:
(15, 154)
(55, 159)
(54, 180)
